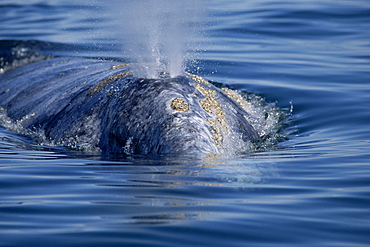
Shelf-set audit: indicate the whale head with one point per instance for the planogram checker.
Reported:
(180, 115)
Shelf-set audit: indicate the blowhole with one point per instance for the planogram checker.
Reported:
(163, 74)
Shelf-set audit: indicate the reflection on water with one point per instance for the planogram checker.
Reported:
(129, 191)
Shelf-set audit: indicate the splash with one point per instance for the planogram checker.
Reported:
(157, 34)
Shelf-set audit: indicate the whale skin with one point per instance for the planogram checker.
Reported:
(99, 105)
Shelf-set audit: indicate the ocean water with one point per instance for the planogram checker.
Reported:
(311, 58)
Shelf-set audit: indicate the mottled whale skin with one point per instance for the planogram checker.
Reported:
(101, 106)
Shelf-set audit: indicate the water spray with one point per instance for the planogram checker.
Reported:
(156, 34)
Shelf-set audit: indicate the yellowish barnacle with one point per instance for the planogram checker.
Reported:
(236, 97)
(206, 104)
(124, 65)
(201, 89)
(216, 132)
(198, 78)
(108, 80)
(211, 92)
(205, 92)
(214, 108)
(217, 119)
(179, 104)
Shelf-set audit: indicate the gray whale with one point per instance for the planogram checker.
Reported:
(100, 106)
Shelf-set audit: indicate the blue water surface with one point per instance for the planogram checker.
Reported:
(310, 189)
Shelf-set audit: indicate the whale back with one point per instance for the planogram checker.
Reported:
(99, 105)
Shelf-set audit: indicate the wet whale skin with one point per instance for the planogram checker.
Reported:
(100, 106)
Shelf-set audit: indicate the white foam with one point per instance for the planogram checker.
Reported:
(83, 142)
